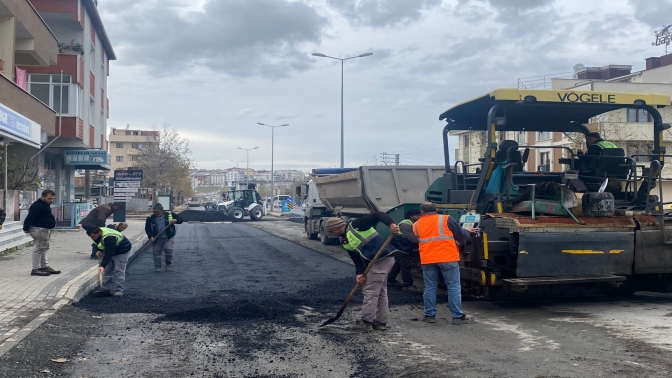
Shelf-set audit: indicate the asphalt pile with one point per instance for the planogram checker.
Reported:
(205, 216)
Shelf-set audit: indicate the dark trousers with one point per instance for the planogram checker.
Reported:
(402, 263)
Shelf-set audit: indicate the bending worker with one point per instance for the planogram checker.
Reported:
(440, 254)
(97, 218)
(362, 242)
(113, 247)
(407, 243)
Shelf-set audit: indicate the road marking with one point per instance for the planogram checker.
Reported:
(582, 252)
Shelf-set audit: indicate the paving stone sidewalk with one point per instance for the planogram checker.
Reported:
(23, 297)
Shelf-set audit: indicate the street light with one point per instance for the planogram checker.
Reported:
(272, 148)
(247, 170)
(342, 60)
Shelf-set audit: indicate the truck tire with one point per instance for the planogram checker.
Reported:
(256, 214)
(237, 213)
(311, 236)
(323, 235)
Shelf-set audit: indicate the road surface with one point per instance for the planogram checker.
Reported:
(245, 303)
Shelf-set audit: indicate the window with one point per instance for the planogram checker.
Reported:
(521, 137)
(120, 145)
(128, 133)
(135, 133)
(137, 146)
(120, 158)
(136, 158)
(639, 115)
(545, 135)
(48, 89)
(544, 162)
(465, 141)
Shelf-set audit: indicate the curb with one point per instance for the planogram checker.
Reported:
(71, 292)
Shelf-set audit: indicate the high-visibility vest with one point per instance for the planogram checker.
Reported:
(366, 243)
(109, 232)
(605, 144)
(401, 242)
(437, 244)
(406, 221)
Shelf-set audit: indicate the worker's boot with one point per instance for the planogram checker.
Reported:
(361, 326)
(464, 319)
(429, 319)
(50, 271)
(379, 326)
(38, 272)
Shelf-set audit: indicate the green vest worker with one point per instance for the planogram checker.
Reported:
(596, 144)
(362, 242)
(113, 247)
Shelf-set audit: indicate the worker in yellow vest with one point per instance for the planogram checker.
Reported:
(360, 238)
(113, 248)
(163, 242)
(439, 254)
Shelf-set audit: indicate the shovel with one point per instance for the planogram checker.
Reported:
(104, 293)
(357, 285)
(101, 292)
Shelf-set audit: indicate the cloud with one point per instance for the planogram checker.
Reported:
(654, 13)
(382, 13)
(240, 38)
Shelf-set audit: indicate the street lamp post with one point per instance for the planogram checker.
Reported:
(247, 170)
(342, 63)
(272, 152)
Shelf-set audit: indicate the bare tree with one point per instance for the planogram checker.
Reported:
(23, 170)
(166, 162)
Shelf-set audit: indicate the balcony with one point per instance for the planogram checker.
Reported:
(22, 102)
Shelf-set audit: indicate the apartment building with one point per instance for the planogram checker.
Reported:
(76, 87)
(126, 146)
(25, 122)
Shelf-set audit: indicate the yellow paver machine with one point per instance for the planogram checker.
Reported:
(578, 224)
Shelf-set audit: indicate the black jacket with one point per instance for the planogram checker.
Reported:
(151, 230)
(39, 215)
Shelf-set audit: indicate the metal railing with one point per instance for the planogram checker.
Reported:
(542, 81)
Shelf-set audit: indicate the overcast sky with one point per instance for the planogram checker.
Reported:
(214, 68)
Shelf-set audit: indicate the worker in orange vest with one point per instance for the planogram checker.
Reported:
(439, 253)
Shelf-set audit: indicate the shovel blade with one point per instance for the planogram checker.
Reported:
(329, 321)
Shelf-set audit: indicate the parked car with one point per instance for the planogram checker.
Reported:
(194, 202)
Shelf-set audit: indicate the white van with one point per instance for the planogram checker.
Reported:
(278, 200)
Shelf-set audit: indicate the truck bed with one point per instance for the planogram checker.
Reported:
(376, 188)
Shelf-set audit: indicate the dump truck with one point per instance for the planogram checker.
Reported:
(596, 226)
(350, 193)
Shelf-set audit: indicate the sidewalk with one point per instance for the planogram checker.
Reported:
(27, 301)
